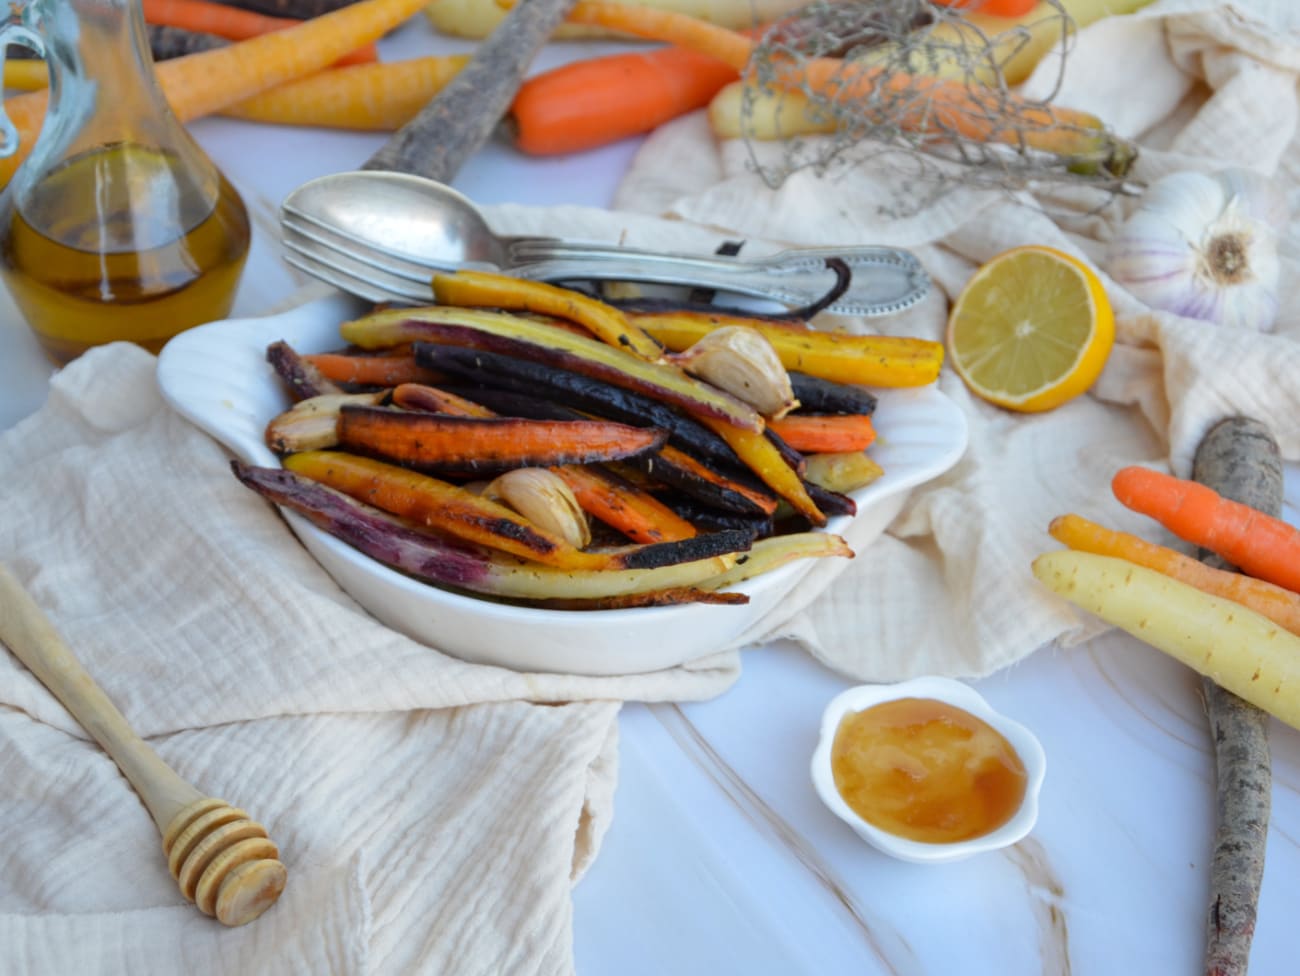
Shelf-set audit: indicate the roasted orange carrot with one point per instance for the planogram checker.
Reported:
(708, 484)
(437, 441)
(232, 23)
(376, 97)
(923, 103)
(453, 511)
(371, 370)
(761, 457)
(637, 514)
(204, 83)
(825, 433)
(481, 289)
(420, 396)
(589, 103)
(1257, 544)
(1280, 605)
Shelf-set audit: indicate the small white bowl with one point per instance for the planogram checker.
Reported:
(961, 696)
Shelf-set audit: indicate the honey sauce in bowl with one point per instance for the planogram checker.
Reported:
(926, 770)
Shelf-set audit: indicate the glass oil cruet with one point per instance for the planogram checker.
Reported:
(117, 225)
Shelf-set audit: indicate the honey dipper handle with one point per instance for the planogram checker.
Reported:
(34, 641)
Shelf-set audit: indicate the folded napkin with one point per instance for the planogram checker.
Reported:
(434, 814)
(1200, 85)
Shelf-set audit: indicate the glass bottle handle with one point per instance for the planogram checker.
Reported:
(20, 27)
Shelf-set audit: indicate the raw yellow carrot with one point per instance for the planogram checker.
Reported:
(1239, 649)
(1274, 602)
(377, 97)
(203, 83)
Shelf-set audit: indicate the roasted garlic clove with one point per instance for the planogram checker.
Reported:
(742, 362)
(542, 496)
(312, 424)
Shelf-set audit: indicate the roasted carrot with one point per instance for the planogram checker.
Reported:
(1257, 544)
(923, 104)
(419, 396)
(204, 83)
(636, 513)
(481, 289)
(376, 97)
(444, 507)
(765, 460)
(301, 378)
(710, 485)
(440, 442)
(869, 360)
(386, 370)
(589, 103)
(1280, 605)
(232, 23)
(825, 433)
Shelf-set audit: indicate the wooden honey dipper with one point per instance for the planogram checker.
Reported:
(223, 861)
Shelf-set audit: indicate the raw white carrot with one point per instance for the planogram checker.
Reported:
(1240, 650)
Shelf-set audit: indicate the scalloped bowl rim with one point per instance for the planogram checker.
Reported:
(955, 693)
(216, 376)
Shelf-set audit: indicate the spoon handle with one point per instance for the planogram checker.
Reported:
(459, 119)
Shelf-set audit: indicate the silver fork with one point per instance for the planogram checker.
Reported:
(383, 235)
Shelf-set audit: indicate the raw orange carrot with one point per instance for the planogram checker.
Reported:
(418, 396)
(378, 97)
(204, 83)
(370, 370)
(1257, 544)
(232, 23)
(931, 104)
(589, 103)
(994, 8)
(825, 433)
(1280, 605)
(637, 514)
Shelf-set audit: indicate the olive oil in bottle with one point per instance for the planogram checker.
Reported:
(119, 244)
(116, 225)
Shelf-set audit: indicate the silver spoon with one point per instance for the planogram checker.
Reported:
(405, 227)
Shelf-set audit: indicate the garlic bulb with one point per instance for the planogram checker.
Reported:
(1204, 246)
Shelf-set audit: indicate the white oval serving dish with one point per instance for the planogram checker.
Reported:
(217, 376)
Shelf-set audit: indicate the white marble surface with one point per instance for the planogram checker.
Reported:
(721, 859)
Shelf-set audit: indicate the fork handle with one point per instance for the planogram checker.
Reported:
(884, 280)
(461, 117)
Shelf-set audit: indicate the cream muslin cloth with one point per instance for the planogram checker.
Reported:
(1200, 85)
(433, 814)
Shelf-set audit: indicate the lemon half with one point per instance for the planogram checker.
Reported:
(1031, 329)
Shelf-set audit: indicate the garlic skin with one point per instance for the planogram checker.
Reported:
(742, 362)
(1204, 246)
